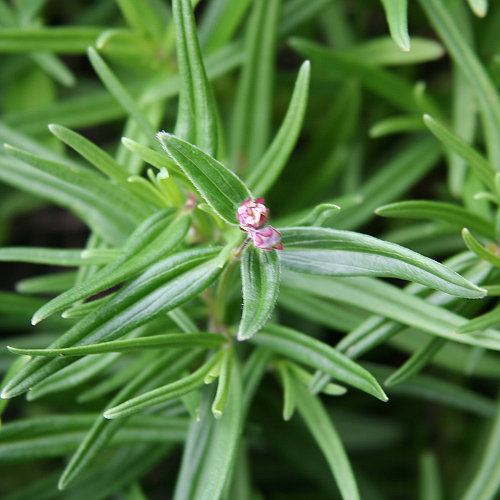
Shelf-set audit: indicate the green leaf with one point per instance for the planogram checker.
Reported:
(440, 211)
(481, 165)
(217, 465)
(73, 375)
(474, 246)
(387, 300)
(264, 174)
(418, 361)
(479, 7)
(220, 188)
(289, 391)
(119, 92)
(106, 208)
(396, 125)
(220, 399)
(321, 427)
(50, 256)
(320, 356)
(486, 481)
(142, 17)
(150, 156)
(156, 237)
(392, 180)
(439, 391)
(64, 40)
(344, 253)
(151, 342)
(163, 394)
(386, 84)
(491, 318)
(382, 51)
(158, 371)
(472, 69)
(396, 12)
(252, 111)
(163, 287)
(197, 116)
(430, 481)
(47, 283)
(260, 281)
(94, 154)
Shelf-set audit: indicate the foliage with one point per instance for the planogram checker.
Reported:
(189, 339)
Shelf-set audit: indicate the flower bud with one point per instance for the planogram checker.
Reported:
(267, 238)
(252, 214)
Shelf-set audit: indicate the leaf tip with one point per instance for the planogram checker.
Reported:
(35, 319)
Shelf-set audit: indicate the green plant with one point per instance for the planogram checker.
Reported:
(185, 300)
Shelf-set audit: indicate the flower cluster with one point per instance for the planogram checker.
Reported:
(252, 216)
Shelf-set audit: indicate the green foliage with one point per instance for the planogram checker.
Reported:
(157, 347)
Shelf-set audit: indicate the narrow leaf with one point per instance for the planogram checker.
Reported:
(162, 394)
(50, 256)
(384, 299)
(418, 361)
(106, 208)
(476, 161)
(344, 253)
(64, 40)
(320, 356)
(473, 71)
(217, 467)
(119, 92)
(437, 210)
(264, 174)
(252, 111)
(197, 117)
(396, 12)
(474, 246)
(321, 427)
(260, 280)
(486, 481)
(153, 239)
(289, 390)
(153, 341)
(219, 187)
(220, 399)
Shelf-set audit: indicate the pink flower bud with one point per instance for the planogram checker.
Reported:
(252, 214)
(267, 238)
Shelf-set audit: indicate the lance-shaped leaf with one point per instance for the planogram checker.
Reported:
(485, 483)
(321, 427)
(220, 453)
(440, 211)
(474, 246)
(50, 256)
(163, 287)
(252, 108)
(106, 208)
(151, 342)
(221, 189)
(345, 253)
(317, 354)
(157, 372)
(166, 393)
(260, 281)
(197, 118)
(396, 12)
(483, 168)
(269, 167)
(153, 239)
